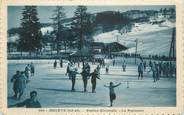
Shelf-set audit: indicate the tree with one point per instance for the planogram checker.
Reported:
(58, 17)
(30, 35)
(82, 26)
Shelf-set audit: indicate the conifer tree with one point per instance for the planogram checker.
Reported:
(58, 17)
(30, 35)
(82, 26)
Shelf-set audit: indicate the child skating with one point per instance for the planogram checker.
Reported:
(111, 92)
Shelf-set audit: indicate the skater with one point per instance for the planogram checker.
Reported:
(107, 69)
(103, 62)
(167, 69)
(55, 64)
(85, 75)
(15, 82)
(94, 75)
(171, 70)
(72, 71)
(160, 68)
(144, 65)
(124, 66)
(61, 63)
(32, 102)
(140, 70)
(98, 69)
(32, 69)
(28, 71)
(153, 69)
(111, 92)
(21, 84)
(157, 71)
(114, 62)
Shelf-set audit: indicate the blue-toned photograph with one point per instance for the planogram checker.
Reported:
(91, 56)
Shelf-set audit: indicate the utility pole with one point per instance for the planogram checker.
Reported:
(172, 47)
(136, 50)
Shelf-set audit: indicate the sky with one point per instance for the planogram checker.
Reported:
(45, 12)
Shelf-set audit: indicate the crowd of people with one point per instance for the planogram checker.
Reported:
(21, 78)
(158, 69)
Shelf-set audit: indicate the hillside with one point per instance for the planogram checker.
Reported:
(150, 42)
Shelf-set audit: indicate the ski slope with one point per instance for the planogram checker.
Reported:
(152, 39)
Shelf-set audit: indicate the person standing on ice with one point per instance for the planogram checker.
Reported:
(160, 68)
(21, 84)
(85, 75)
(111, 92)
(15, 82)
(157, 71)
(61, 63)
(114, 62)
(124, 66)
(32, 69)
(153, 69)
(55, 64)
(107, 69)
(144, 65)
(71, 71)
(140, 70)
(94, 75)
(98, 69)
(28, 71)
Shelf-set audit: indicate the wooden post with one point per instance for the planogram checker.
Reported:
(136, 50)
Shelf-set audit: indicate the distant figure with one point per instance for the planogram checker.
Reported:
(153, 69)
(94, 75)
(15, 81)
(55, 64)
(114, 62)
(160, 68)
(171, 69)
(28, 71)
(167, 69)
(103, 62)
(157, 71)
(124, 65)
(98, 69)
(32, 69)
(85, 75)
(32, 102)
(140, 70)
(107, 69)
(78, 63)
(144, 65)
(111, 92)
(150, 63)
(61, 63)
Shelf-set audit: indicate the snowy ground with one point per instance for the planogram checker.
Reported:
(149, 42)
(53, 88)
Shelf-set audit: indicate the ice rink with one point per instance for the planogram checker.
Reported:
(54, 88)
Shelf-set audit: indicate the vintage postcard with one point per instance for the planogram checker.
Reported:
(91, 57)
